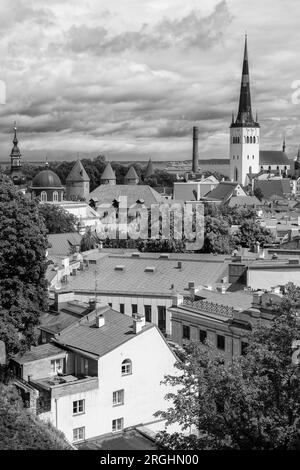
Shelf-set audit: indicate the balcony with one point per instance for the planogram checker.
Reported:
(59, 386)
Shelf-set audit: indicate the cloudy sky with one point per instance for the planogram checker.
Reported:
(129, 78)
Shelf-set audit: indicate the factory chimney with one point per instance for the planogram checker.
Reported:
(195, 150)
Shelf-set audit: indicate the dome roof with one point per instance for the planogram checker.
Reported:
(46, 179)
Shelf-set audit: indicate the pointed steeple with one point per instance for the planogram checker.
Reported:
(283, 145)
(245, 116)
(15, 159)
(15, 152)
(149, 169)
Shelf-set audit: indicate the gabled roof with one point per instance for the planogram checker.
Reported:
(240, 201)
(131, 174)
(118, 329)
(108, 173)
(223, 191)
(106, 194)
(271, 187)
(273, 157)
(62, 242)
(78, 173)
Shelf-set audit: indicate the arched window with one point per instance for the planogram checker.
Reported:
(247, 140)
(236, 174)
(126, 368)
(237, 157)
(269, 167)
(285, 168)
(55, 196)
(233, 157)
(250, 170)
(238, 140)
(43, 196)
(250, 140)
(254, 140)
(277, 167)
(252, 157)
(247, 157)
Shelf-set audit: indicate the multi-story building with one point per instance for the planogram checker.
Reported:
(98, 376)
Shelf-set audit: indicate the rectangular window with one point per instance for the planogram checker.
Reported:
(118, 397)
(243, 348)
(57, 365)
(78, 434)
(161, 311)
(84, 366)
(134, 308)
(185, 332)
(122, 308)
(78, 407)
(148, 313)
(117, 424)
(221, 342)
(202, 335)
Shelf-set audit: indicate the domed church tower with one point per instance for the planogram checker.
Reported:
(47, 186)
(244, 133)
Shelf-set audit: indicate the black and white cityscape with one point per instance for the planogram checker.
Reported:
(149, 228)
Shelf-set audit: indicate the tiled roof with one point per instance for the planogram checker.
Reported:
(278, 187)
(78, 173)
(244, 201)
(223, 191)
(69, 313)
(238, 299)
(38, 352)
(134, 278)
(108, 173)
(62, 242)
(117, 330)
(106, 194)
(273, 157)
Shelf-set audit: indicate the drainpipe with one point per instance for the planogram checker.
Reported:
(56, 418)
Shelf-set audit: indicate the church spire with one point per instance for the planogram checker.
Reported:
(245, 116)
(15, 152)
(283, 145)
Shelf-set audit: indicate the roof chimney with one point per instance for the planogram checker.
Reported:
(195, 150)
(139, 322)
(100, 320)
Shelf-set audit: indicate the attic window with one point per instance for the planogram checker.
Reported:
(140, 201)
(120, 268)
(150, 269)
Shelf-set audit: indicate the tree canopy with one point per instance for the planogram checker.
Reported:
(57, 219)
(23, 287)
(21, 430)
(251, 403)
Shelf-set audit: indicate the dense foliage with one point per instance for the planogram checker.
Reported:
(21, 430)
(57, 219)
(23, 287)
(251, 403)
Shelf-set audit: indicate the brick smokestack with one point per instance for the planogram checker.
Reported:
(195, 149)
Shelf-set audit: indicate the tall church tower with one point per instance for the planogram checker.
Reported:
(16, 165)
(244, 133)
